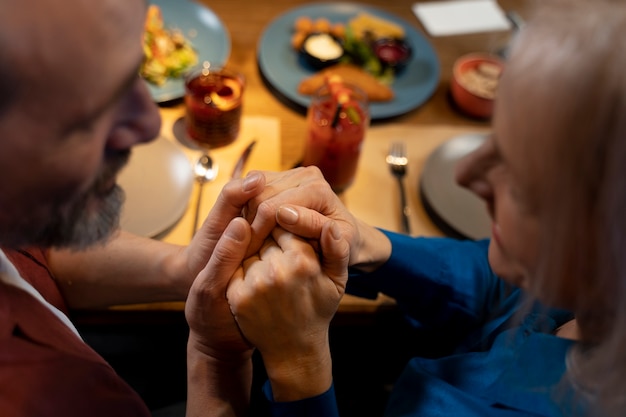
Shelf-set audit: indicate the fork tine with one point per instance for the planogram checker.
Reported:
(397, 155)
(397, 149)
(397, 161)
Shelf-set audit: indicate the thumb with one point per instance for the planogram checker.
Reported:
(228, 253)
(229, 204)
(335, 253)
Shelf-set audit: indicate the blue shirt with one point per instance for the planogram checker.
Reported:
(506, 360)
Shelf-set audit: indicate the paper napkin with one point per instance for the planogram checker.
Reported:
(461, 16)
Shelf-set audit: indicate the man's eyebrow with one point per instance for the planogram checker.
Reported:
(121, 90)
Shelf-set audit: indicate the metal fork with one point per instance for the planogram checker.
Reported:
(397, 161)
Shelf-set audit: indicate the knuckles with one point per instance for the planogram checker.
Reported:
(266, 211)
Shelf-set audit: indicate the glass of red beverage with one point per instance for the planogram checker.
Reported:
(213, 105)
(337, 120)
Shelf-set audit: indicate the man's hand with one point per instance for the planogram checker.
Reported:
(213, 329)
(219, 364)
(230, 203)
(146, 270)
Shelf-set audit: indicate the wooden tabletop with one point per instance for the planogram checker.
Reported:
(247, 19)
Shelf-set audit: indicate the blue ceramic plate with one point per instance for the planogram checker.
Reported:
(281, 68)
(204, 30)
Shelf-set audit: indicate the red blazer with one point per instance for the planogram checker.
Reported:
(45, 369)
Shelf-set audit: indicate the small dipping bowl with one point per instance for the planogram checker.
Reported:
(392, 53)
(321, 50)
(474, 82)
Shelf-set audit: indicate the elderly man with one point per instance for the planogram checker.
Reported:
(71, 107)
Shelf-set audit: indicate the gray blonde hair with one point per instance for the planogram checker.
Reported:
(8, 79)
(568, 71)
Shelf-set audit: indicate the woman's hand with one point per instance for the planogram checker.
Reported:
(301, 201)
(304, 187)
(284, 302)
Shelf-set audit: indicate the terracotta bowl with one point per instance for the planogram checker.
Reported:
(474, 82)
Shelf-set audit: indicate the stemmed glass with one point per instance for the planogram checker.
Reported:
(213, 105)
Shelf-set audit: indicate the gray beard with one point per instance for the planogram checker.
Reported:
(89, 218)
(78, 228)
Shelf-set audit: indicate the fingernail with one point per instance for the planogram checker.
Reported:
(335, 231)
(236, 230)
(287, 215)
(250, 181)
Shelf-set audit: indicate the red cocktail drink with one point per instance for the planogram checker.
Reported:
(336, 128)
(213, 102)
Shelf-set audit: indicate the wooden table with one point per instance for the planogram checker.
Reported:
(246, 21)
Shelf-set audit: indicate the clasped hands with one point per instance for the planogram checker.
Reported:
(278, 248)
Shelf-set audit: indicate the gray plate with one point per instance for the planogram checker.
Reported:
(158, 182)
(457, 211)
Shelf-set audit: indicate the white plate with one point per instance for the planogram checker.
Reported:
(456, 210)
(158, 181)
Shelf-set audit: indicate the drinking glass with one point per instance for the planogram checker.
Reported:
(213, 104)
(335, 131)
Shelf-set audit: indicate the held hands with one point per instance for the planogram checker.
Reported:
(302, 202)
(283, 303)
(274, 281)
(223, 241)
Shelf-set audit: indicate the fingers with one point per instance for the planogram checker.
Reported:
(230, 203)
(228, 253)
(335, 254)
(301, 221)
(277, 183)
(302, 186)
(211, 324)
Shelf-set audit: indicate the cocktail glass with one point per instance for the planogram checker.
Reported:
(336, 128)
(213, 105)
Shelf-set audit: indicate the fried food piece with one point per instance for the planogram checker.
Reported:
(365, 23)
(338, 30)
(321, 25)
(297, 40)
(375, 90)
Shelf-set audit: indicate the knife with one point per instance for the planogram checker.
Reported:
(241, 162)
